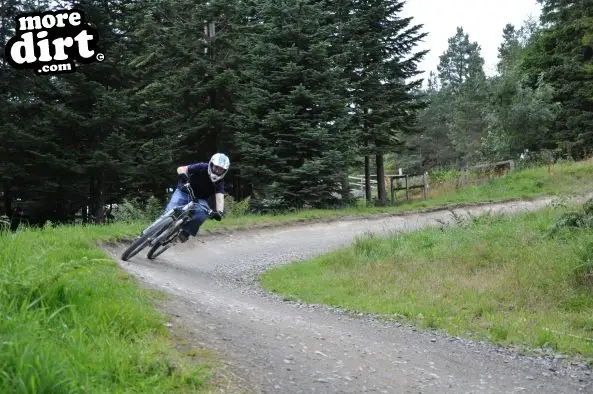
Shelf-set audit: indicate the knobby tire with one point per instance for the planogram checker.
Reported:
(152, 253)
(142, 241)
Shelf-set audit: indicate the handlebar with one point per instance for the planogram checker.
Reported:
(187, 185)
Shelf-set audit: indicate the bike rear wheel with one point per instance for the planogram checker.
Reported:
(165, 243)
(144, 239)
(157, 250)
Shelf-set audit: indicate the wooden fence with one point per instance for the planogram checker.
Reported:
(393, 183)
(406, 182)
(396, 186)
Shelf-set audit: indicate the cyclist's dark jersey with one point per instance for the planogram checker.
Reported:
(201, 182)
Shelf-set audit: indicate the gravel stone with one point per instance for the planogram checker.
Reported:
(215, 297)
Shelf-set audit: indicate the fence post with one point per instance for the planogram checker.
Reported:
(425, 184)
(364, 195)
(463, 177)
(392, 191)
(407, 190)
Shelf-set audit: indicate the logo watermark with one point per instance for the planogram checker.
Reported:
(52, 42)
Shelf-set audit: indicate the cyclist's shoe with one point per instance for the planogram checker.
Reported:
(183, 236)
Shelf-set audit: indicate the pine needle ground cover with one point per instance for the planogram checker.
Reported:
(72, 322)
(523, 280)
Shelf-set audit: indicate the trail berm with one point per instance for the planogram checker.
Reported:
(274, 346)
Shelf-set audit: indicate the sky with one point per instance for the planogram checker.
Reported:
(483, 20)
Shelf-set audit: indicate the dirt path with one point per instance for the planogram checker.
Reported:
(284, 347)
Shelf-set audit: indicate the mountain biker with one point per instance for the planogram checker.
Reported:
(206, 179)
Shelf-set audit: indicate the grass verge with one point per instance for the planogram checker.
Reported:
(566, 179)
(72, 322)
(500, 278)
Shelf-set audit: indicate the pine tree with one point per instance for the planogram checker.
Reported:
(382, 78)
(462, 77)
(460, 62)
(519, 116)
(293, 140)
(559, 53)
(188, 66)
(509, 49)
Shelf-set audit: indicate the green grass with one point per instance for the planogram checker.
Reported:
(567, 179)
(501, 278)
(72, 322)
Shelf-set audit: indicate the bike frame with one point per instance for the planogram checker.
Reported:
(181, 214)
(165, 229)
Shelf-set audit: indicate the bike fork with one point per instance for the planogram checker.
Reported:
(167, 234)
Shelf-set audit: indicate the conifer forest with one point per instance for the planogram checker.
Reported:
(299, 94)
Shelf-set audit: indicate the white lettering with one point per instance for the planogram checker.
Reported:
(60, 44)
(44, 47)
(32, 48)
(61, 18)
(56, 67)
(30, 23)
(28, 45)
(74, 19)
(48, 21)
(83, 44)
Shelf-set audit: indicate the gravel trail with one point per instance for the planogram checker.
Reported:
(274, 346)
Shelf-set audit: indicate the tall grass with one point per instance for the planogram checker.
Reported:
(72, 322)
(567, 179)
(510, 279)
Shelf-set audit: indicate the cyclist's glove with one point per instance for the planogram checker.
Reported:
(183, 177)
(217, 215)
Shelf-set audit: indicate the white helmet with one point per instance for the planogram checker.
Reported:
(218, 166)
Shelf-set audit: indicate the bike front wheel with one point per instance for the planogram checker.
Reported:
(145, 237)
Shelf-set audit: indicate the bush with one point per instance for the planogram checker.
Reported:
(153, 209)
(583, 274)
(133, 210)
(588, 207)
(268, 205)
(4, 223)
(234, 208)
(444, 176)
(543, 158)
(574, 219)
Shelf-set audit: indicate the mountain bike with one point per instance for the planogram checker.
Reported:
(163, 232)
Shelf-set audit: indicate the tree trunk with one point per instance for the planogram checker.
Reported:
(381, 179)
(15, 219)
(367, 178)
(92, 198)
(84, 214)
(345, 188)
(100, 198)
(60, 212)
(7, 200)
